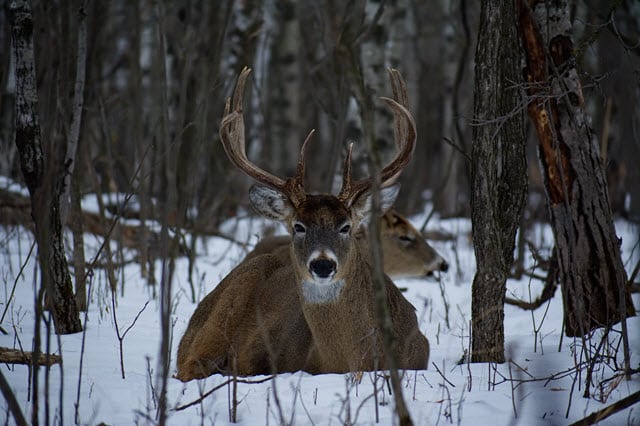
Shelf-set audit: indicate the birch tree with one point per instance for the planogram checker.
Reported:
(43, 176)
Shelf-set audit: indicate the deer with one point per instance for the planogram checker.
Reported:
(315, 309)
(406, 254)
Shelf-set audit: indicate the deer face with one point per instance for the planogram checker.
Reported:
(321, 225)
(321, 232)
(406, 252)
(322, 229)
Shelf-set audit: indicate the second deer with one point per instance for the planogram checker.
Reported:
(314, 311)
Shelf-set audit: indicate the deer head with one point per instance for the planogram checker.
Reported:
(322, 226)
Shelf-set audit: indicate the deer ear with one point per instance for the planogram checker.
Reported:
(362, 205)
(270, 203)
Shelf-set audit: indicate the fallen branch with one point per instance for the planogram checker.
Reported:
(16, 356)
(15, 209)
(548, 292)
(599, 415)
(550, 285)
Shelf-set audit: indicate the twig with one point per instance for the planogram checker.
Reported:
(220, 386)
(513, 394)
(89, 276)
(15, 282)
(442, 375)
(119, 335)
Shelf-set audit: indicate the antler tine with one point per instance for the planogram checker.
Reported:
(406, 142)
(346, 172)
(233, 138)
(403, 130)
(405, 138)
(295, 185)
(399, 89)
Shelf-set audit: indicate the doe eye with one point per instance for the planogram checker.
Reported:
(345, 229)
(299, 228)
(406, 239)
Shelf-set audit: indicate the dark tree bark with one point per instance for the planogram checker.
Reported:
(497, 173)
(42, 176)
(594, 284)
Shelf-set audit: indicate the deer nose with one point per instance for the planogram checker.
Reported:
(322, 268)
(444, 266)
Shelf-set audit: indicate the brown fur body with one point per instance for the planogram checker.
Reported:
(230, 322)
(315, 310)
(242, 319)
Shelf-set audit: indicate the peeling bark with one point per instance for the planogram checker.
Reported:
(594, 284)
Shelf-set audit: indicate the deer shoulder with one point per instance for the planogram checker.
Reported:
(241, 327)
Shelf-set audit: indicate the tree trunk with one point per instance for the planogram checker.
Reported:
(594, 284)
(44, 179)
(446, 200)
(497, 173)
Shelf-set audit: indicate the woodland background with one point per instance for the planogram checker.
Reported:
(154, 79)
(157, 74)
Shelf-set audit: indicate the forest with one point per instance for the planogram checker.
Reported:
(132, 137)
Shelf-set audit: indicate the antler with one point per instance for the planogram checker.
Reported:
(405, 138)
(233, 141)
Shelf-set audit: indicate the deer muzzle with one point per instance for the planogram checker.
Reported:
(322, 265)
(322, 268)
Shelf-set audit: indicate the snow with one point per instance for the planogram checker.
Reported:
(539, 386)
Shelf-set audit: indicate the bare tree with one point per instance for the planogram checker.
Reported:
(43, 175)
(498, 176)
(594, 283)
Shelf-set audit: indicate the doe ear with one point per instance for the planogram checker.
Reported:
(270, 203)
(362, 205)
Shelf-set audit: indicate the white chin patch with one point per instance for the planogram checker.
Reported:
(321, 290)
(322, 280)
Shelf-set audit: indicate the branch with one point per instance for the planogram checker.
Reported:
(16, 356)
(221, 385)
(599, 415)
(548, 292)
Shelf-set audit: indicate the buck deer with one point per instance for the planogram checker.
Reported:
(314, 311)
(406, 254)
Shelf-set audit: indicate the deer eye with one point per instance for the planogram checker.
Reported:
(345, 229)
(299, 228)
(406, 239)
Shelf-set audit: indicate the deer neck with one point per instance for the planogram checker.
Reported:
(312, 293)
(341, 317)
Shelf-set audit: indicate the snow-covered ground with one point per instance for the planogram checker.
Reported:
(539, 386)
